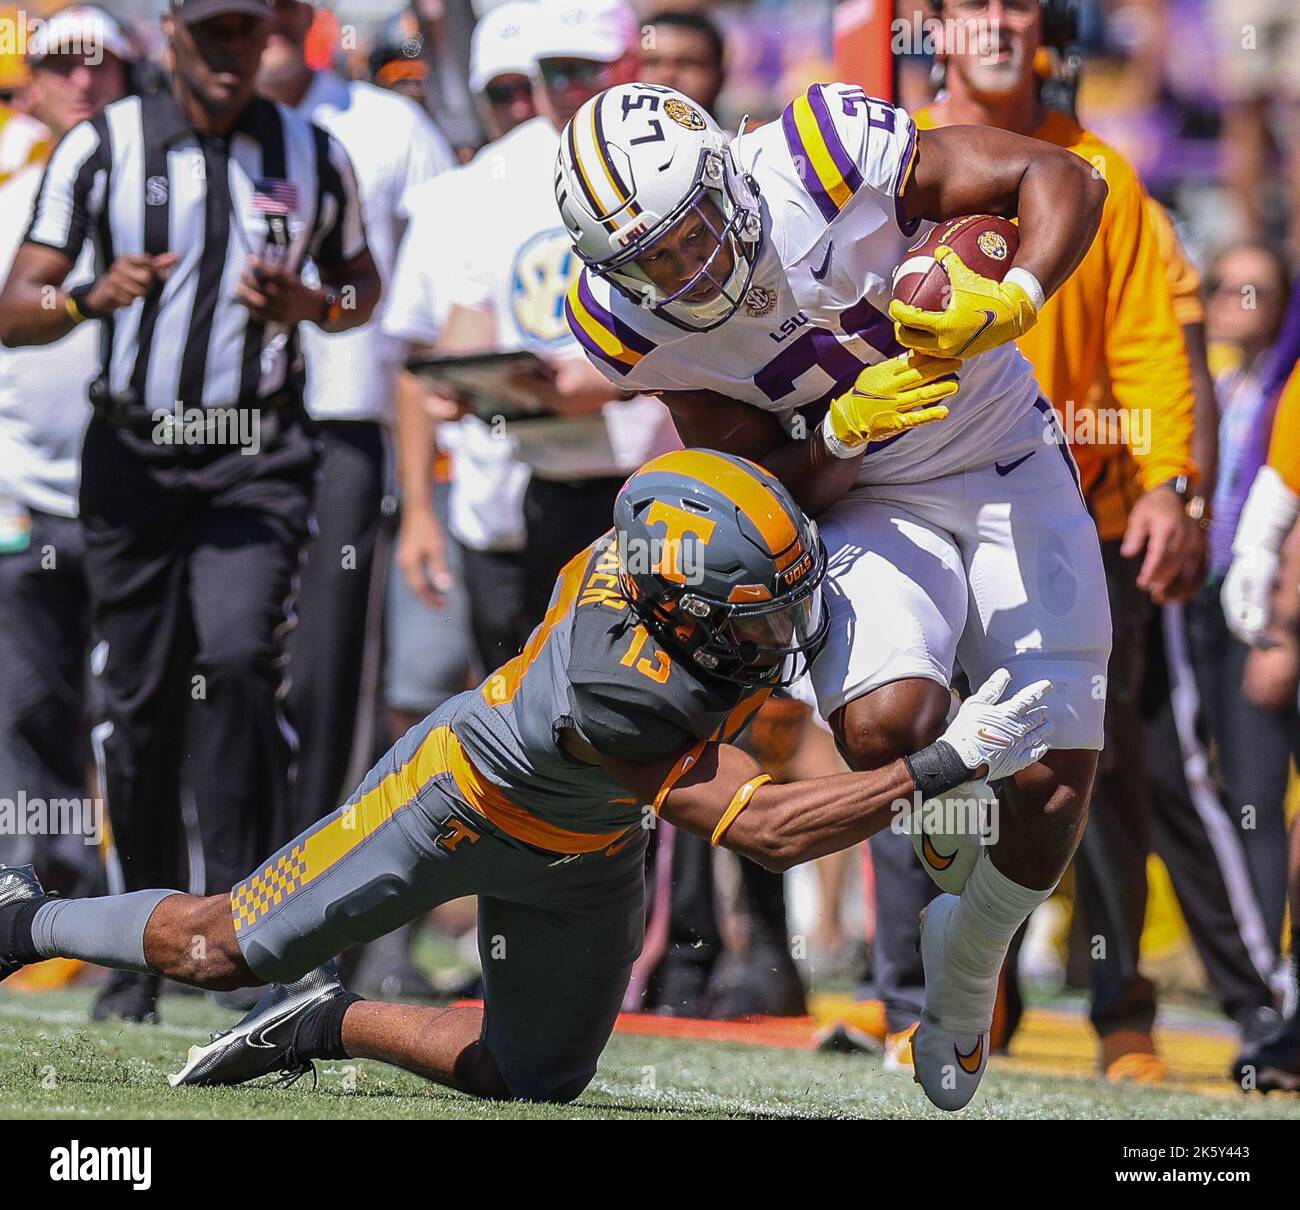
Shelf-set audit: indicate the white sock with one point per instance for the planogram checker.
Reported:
(990, 910)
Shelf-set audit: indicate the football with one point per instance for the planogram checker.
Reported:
(985, 242)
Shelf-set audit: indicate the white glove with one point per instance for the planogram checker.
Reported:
(1247, 592)
(1266, 519)
(1006, 736)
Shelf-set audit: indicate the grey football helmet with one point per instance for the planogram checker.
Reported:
(722, 566)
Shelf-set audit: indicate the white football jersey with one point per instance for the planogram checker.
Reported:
(829, 176)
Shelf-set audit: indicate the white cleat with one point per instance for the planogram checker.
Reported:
(950, 1048)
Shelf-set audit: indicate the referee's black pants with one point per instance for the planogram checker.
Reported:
(335, 644)
(190, 558)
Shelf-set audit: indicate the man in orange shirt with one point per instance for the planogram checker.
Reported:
(1111, 323)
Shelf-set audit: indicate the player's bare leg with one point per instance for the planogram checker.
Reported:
(965, 938)
(192, 939)
(441, 1044)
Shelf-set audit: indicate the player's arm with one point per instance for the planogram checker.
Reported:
(726, 798)
(718, 791)
(1055, 194)
(1058, 199)
(811, 473)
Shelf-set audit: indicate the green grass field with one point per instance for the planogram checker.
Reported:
(54, 1063)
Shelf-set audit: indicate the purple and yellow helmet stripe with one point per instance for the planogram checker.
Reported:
(601, 332)
(828, 171)
(603, 189)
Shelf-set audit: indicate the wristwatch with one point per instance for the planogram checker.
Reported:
(1197, 507)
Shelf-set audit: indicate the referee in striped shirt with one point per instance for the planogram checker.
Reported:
(201, 203)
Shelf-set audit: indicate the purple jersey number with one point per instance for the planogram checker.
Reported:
(818, 347)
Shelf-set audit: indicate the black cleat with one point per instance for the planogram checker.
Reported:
(18, 885)
(1274, 1067)
(128, 996)
(265, 1041)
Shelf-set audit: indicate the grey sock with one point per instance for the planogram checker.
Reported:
(107, 931)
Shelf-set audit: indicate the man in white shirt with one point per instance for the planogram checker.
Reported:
(479, 571)
(510, 266)
(334, 650)
(44, 408)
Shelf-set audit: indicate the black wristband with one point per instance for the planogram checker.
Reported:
(937, 769)
(78, 296)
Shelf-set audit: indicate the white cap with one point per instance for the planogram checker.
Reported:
(503, 43)
(600, 30)
(82, 30)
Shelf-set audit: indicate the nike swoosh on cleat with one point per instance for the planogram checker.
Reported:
(932, 855)
(1005, 468)
(970, 1063)
(819, 274)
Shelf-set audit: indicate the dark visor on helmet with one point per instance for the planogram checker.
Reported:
(771, 643)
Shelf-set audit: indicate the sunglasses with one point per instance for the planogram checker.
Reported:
(503, 93)
(564, 73)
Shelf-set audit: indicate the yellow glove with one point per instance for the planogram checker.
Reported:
(981, 313)
(889, 398)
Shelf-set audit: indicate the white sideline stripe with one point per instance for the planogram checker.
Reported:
(1224, 841)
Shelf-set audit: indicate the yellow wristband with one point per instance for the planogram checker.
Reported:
(70, 306)
(739, 801)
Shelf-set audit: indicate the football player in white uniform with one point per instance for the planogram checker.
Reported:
(748, 282)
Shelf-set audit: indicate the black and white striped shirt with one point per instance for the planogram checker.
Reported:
(138, 178)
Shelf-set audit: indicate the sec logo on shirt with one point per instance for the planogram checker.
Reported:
(544, 269)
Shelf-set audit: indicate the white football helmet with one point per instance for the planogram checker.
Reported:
(633, 162)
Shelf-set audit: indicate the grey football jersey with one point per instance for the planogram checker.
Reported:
(592, 667)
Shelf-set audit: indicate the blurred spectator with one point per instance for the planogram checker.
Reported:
(684, 51)
(501, 67)
(397, 61)
(1248, 290)
(393, 145)
(1200, 832)
(484, 502)
(23, 139)
(1259, 41)
(44, 598)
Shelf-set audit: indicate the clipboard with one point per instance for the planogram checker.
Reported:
(482, 380)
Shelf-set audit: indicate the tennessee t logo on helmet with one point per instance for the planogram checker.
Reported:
(684, 533)
(733, 575)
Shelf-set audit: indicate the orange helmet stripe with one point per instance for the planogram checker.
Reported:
(752, 497)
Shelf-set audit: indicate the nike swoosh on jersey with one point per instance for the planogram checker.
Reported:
(1005, 468)
(819, 274)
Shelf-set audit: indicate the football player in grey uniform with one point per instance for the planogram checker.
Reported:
(535, 792)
